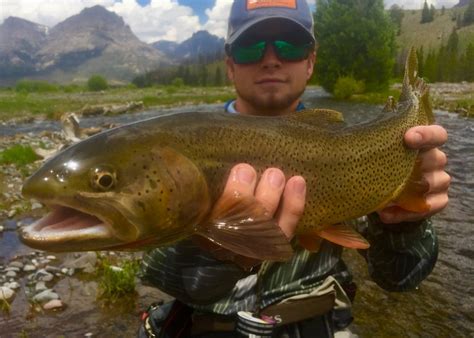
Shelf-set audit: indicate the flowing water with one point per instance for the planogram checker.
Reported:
(443, 305)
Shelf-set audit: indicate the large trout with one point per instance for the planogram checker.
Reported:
(158, 181)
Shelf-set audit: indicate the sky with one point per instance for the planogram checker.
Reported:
(153, 20)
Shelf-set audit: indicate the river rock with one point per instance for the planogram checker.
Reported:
(53, 304)
(16, 264)
(45, 296)
(43, 275)
(2, 228)
(29, 267)
(6, 293)
(86, 261)
(12, 285)
(11, 274)
(40, 286)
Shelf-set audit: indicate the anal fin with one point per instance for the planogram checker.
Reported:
(344, 235)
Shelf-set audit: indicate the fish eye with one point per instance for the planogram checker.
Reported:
(103, 178)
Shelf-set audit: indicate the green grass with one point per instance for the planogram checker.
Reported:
(70, 98)
(432, 34)
(18, 155)
(375, 97)
(116, 283)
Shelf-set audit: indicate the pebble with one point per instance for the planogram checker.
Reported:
(12, 285)
(51, 257)
(45, 296)
(12, 268)
(16, 264)
(29, 267)
(11, 274)
(53, 304)
(36, 206)
(40, 286)
(6, 293)
(2, 228)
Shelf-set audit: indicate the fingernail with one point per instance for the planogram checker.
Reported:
(245, 175)
(300, 187)
(275, 178)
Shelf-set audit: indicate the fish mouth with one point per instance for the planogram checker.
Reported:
(64, 228)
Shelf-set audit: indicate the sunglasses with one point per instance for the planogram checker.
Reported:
(285, 51)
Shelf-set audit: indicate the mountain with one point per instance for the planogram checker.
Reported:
(19, 40)
(462, 3)
(201, 45)
(95, 41)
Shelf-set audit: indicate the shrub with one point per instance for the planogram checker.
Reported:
(97, 83)
(177, 82)
(18, 154)
(35, 86)
(346, 86)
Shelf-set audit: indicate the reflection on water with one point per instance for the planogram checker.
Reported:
(442, 307)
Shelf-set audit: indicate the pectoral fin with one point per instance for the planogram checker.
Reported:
(311, 241)
(344, 235)
(243, 226)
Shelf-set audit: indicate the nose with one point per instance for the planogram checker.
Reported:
(270, 58)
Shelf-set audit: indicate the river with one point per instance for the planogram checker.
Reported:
(443, 305)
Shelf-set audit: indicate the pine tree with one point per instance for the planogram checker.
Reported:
(467, 64)
(356, 38)
(426, 14)
(432, 12)
(396, 14)
(468, 17)
(430, 67)
(420, 57)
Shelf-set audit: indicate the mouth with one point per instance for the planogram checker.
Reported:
(269, 81)
(63, 226)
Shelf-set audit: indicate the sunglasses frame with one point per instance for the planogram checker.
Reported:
(308, 47)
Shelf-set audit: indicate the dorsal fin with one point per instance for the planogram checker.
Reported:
(319, 117)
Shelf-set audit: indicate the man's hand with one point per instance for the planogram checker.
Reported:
(433, 163)
(283, 199)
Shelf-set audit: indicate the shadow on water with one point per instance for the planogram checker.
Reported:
(441, 307)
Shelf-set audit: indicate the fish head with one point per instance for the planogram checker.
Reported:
(110, 193)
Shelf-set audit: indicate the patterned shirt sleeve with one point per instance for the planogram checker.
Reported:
(400, 259)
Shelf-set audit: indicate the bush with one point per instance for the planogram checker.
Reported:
(97, 83)
(177, 82)
(35, 86)
(18, 155)
(346, 86)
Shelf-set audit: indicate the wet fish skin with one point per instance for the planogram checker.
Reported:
(167, 174)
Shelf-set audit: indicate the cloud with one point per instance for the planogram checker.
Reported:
(159, 20)
(218, 16)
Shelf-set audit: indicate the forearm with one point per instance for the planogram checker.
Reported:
(399, 260)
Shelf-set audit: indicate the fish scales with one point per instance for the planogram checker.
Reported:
(158, 181)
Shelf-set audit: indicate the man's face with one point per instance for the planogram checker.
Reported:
(271, 86)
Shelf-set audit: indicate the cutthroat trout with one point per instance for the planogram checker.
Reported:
(158, 181)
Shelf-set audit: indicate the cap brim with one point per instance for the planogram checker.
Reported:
(237, 34)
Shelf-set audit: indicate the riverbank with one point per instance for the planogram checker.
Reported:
(25, 107)
(452, 97)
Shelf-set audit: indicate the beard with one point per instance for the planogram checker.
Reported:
(271, 101)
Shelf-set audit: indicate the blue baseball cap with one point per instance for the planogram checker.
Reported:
(245, 14)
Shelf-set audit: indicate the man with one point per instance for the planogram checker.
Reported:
(270, 57)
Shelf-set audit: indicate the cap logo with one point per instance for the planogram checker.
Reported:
(254, 4)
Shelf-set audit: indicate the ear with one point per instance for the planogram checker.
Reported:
(230, 68)
(310, 64)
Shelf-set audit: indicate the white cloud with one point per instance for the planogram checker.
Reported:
(159, 20)
(218, 16)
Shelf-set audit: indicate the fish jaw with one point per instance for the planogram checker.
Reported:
(68, 229)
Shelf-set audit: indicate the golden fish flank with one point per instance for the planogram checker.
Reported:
(157, 181)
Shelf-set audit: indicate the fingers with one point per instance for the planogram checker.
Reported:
(433, 159)
(292, 205)
(426, 137)
(242, 180)
(286, 201)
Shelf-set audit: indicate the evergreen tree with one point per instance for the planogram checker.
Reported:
(468, 63)
(430, 67)
(432, 12)
(356, 38)
(420, 57)
(396, 14)
(468, 17)
(451, 63)
(426, 14)
(443, 10)
(218, 77)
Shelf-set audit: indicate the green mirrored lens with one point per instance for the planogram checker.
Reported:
(248, 54)
(290, 52)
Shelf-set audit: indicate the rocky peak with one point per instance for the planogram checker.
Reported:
(17, 33)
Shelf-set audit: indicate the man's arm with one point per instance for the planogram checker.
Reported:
(404, 246)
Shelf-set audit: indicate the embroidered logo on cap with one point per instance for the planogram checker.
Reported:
(254, 4)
